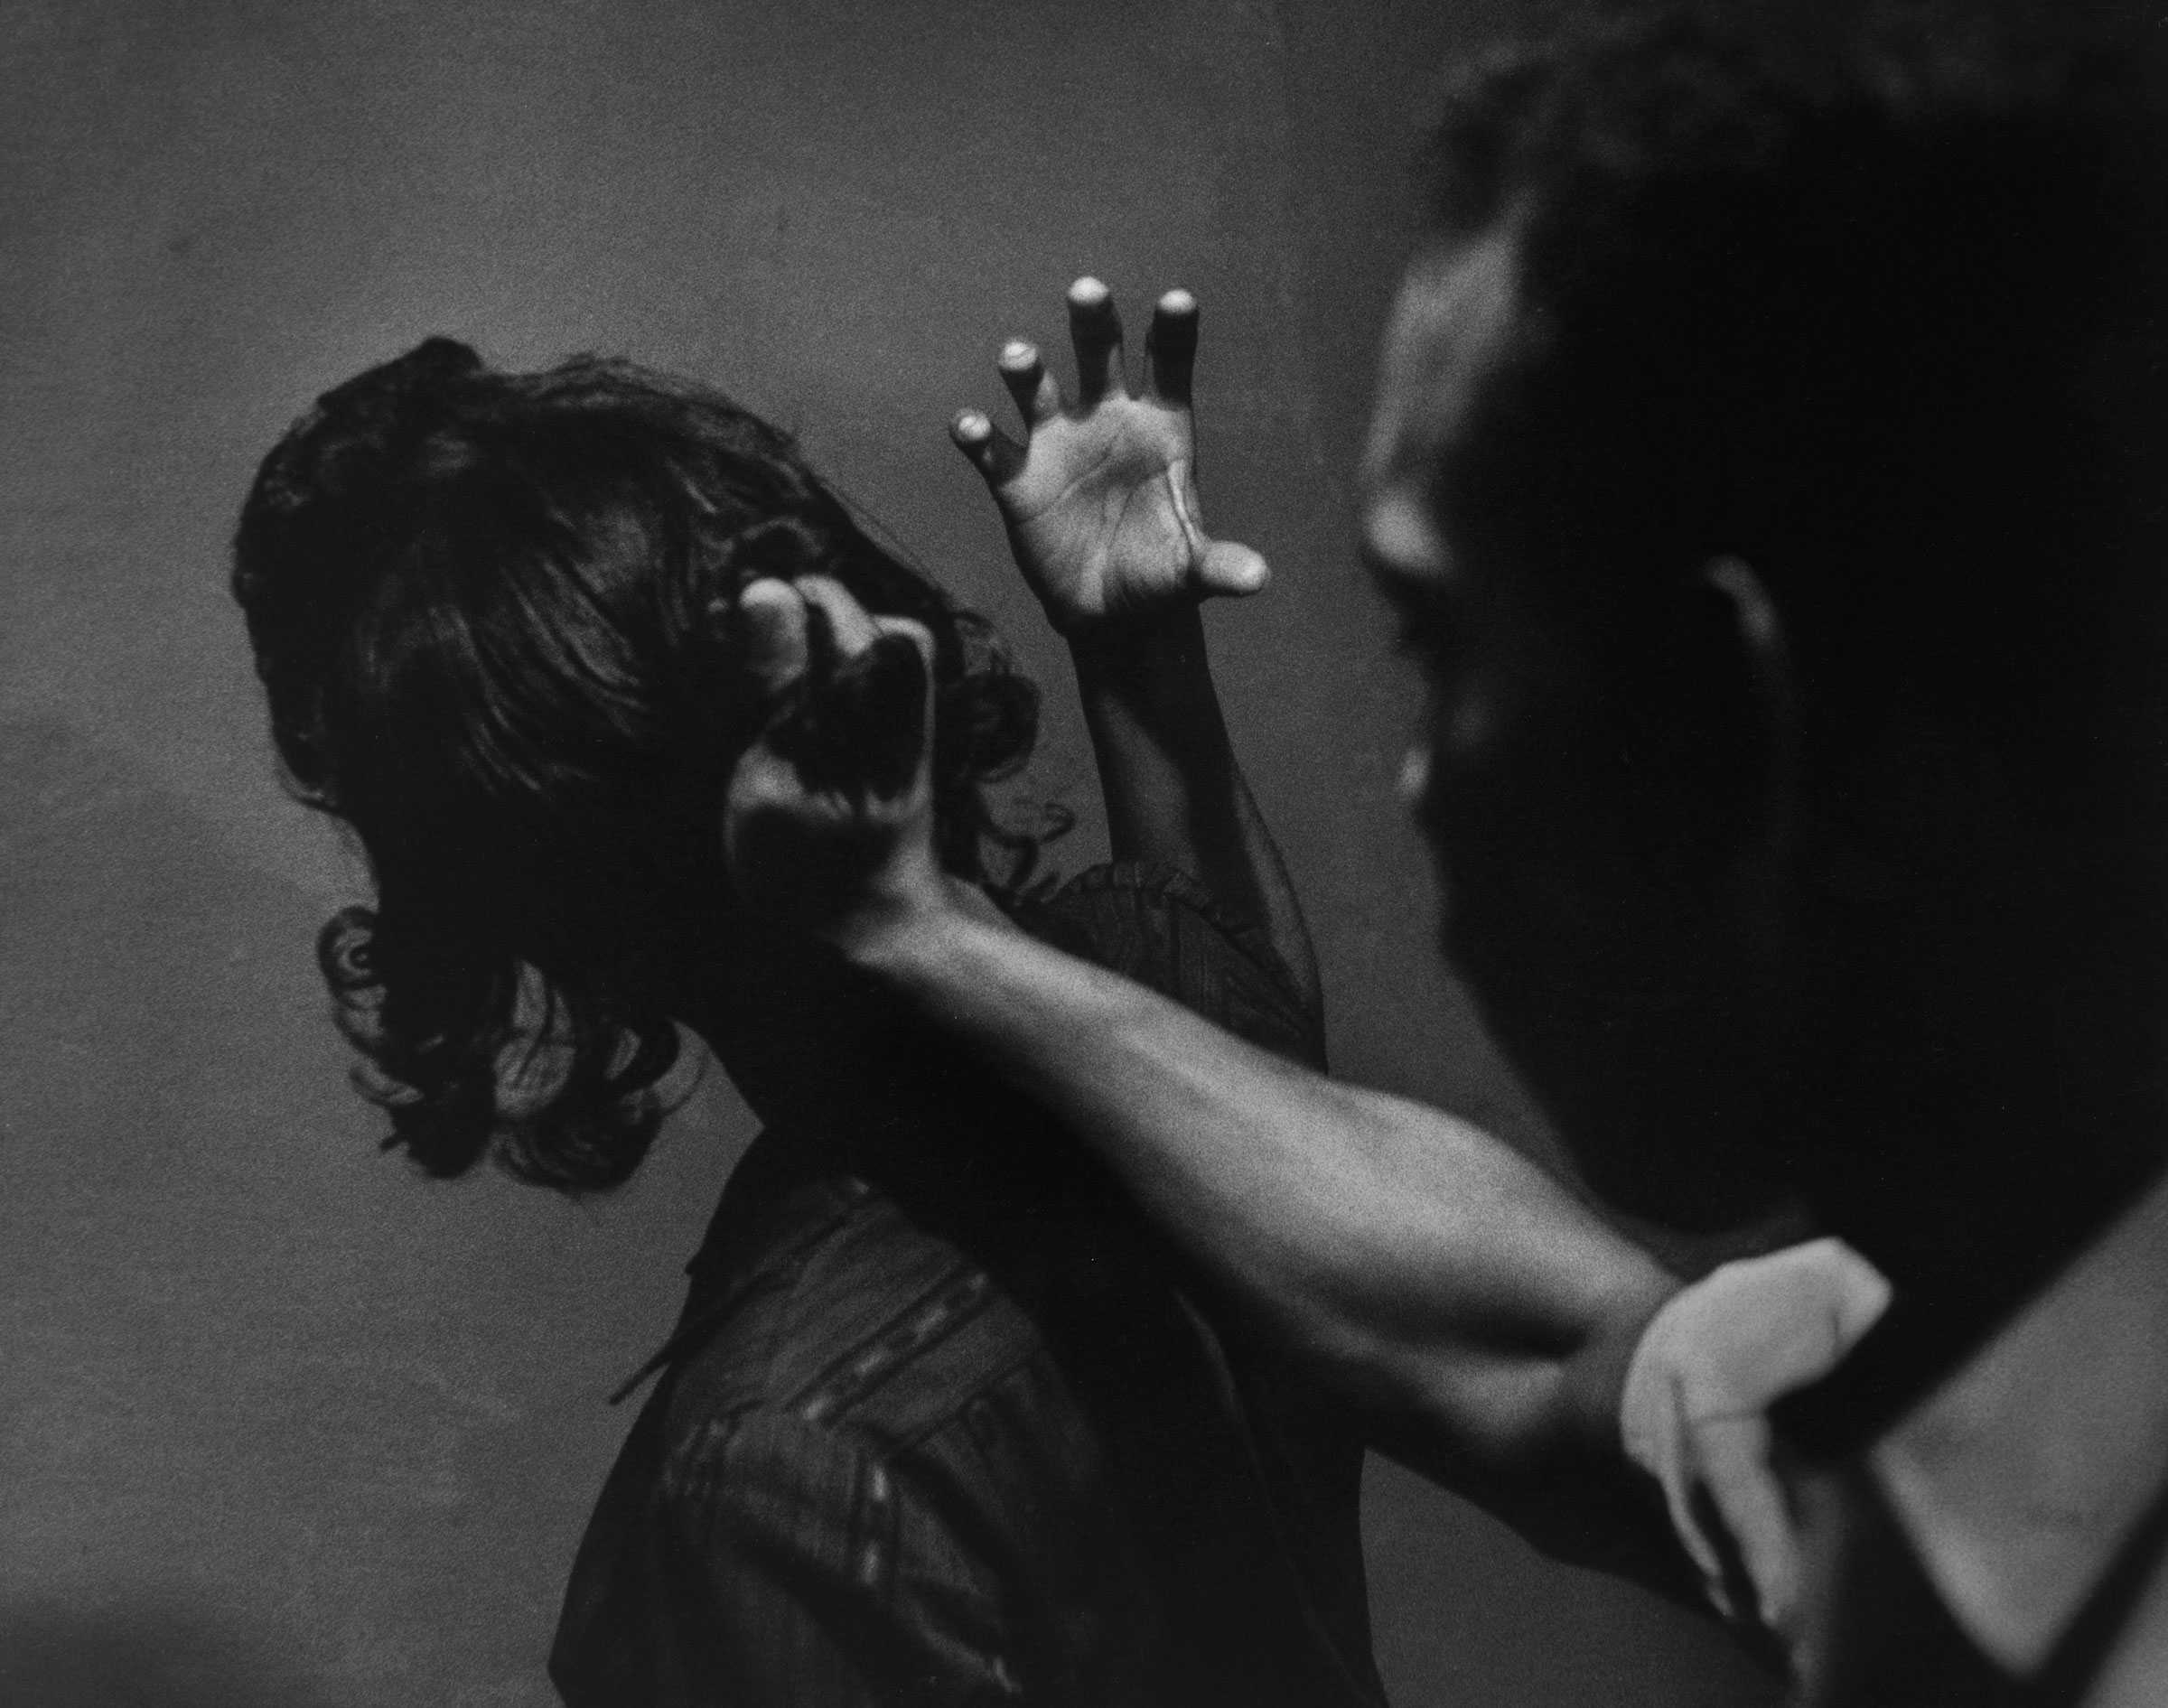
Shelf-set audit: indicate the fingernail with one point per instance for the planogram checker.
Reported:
(1017, 353)
(1087, 293)
(972, 426)
(1177, 302)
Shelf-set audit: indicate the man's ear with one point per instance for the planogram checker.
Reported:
(1762, 648)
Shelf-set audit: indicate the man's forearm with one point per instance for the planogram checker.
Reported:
(1174, 792)
(1476, 1313)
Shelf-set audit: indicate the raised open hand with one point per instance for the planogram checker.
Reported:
(1100, 499)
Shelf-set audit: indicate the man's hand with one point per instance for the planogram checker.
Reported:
(1695, 1411)
(828, 822)
(1100, 500)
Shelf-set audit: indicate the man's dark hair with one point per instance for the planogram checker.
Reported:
(1877, 308)
(492, 613)
(1900, 291)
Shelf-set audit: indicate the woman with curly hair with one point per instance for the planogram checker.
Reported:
(936, 1425)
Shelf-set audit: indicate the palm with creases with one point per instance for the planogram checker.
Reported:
(1101, 498)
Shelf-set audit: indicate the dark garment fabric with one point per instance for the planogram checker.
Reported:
(938, 1426)
(2004, 1543)
(1889, 1639)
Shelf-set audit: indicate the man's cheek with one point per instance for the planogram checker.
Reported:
(1471, 722)
(1447, 774)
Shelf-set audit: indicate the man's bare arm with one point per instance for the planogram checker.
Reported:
(1491, 1331)
(1476, 1314)
(1479, 1317)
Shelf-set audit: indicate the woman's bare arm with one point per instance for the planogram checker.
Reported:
(1100, 504)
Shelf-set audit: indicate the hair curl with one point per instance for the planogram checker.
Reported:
(489, 612)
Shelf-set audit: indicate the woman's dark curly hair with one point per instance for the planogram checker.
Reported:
(492, 614)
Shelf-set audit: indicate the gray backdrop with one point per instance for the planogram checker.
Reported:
(280, 1424)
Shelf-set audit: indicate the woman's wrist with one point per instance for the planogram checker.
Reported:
(1138, 644)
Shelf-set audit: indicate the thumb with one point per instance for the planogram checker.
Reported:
(1226, 568)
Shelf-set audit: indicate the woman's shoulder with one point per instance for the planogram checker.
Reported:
(839, 1312)
(1164, 928)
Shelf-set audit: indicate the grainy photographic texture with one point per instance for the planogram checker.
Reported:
(284, 1422)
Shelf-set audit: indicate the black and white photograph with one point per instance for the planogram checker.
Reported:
(1096, 853)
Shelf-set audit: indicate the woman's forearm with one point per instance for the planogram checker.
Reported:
(1174, 791)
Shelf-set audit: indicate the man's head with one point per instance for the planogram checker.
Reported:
(494, 617)
(1766, 465)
